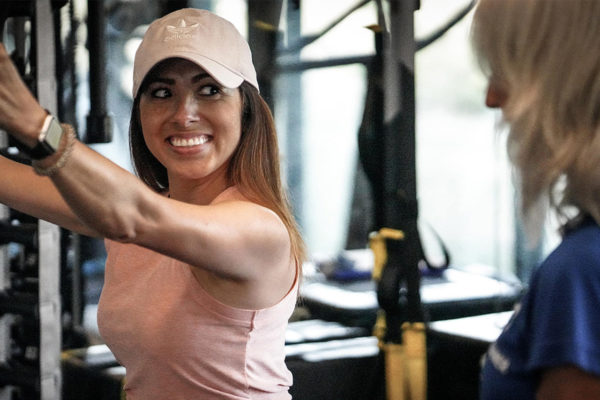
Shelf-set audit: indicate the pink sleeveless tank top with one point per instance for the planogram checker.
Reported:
(178, 342)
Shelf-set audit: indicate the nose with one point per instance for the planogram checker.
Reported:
(495, 96)
(186, 110)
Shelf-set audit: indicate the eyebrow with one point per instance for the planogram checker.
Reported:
(170, 81)
(200, 76)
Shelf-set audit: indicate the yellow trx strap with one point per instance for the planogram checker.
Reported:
(405, 363)
(377, 244)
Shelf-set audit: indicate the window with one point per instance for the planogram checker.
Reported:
(464, 185)
(463, 177)
(318, 110)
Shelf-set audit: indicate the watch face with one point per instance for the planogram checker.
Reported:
(54, 134)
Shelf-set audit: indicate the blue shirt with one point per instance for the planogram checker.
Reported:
(557, 323)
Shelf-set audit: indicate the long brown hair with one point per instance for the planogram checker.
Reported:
(254, 166)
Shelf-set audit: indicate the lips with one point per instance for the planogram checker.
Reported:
(176, 141)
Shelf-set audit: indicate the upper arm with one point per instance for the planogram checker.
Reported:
(236, 239)
(566, 383)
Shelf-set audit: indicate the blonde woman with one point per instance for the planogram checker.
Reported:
(544, 74)
(204, 255)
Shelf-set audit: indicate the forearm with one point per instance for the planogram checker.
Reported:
(23, 190)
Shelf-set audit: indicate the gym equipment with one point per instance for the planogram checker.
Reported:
(30, 304)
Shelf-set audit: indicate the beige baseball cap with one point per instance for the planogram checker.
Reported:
(201, 37)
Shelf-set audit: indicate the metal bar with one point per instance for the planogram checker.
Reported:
(263, 36)
(294, 124)
(304, 41)
(400, 205)
(287, 67)
(99, 122)
(48, 234)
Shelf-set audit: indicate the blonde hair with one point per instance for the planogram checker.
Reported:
(544, 54)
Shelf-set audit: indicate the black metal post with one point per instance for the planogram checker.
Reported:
(99, 122)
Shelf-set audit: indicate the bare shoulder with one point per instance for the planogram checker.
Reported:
(264, 270)
(234, 200)
(259, 230)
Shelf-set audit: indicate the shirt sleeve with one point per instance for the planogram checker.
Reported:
(565, 314)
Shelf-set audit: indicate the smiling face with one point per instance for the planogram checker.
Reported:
(190, 123)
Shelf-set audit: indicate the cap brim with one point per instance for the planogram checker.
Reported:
(223, 75)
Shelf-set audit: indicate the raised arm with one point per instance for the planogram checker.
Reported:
(235, 238)
(20, 187)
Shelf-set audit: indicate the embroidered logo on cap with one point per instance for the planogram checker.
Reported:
(182, 31)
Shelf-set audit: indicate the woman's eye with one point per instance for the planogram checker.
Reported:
(209, 90)
(160, 93)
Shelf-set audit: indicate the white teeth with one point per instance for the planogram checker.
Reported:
(195, 141)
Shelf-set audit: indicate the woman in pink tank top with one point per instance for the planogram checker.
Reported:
(204, 254)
